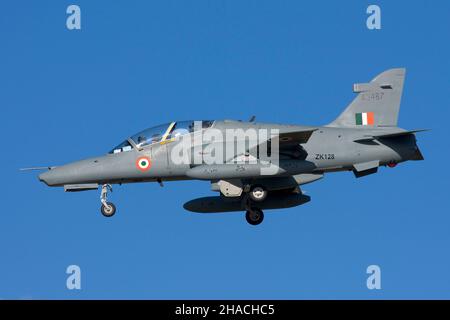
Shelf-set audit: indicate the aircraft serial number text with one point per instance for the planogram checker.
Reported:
(324, 156)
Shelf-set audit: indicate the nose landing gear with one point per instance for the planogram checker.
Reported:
(108, 209)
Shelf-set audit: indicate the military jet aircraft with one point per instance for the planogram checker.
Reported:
(268, 171)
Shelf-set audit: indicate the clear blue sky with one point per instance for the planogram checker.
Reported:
(67, 95)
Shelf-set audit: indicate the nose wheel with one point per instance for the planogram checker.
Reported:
(108, 209)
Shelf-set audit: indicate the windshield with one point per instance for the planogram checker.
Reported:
(124, 146)
(150, 135)
(163, 132)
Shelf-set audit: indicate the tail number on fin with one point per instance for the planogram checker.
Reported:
(373, 96)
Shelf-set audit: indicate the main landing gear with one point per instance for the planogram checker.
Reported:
(253, 214)
(108, 209)
(257, 193)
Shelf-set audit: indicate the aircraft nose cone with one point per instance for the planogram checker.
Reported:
(43, 176)
(59, 176)
(49, 177)
(78, 172)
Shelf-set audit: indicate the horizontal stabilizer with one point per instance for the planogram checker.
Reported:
(388, 135)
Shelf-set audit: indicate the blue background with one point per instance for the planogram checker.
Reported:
(67, 95)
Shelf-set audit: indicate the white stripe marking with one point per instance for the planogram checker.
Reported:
(364, 118)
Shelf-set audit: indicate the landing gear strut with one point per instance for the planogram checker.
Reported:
(108, 209)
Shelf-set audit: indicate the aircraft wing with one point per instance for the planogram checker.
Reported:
(288, 143)
(295, 137)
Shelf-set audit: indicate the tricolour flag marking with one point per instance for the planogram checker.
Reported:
(364, 119)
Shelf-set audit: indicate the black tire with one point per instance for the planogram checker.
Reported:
(108, 212)
(254, 216)
(258, 193)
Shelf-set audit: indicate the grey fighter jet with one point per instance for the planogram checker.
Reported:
(254, 166)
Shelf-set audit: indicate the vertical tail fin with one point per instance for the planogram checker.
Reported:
(377, 103)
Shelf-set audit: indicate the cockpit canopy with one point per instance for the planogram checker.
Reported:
(161, 133)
